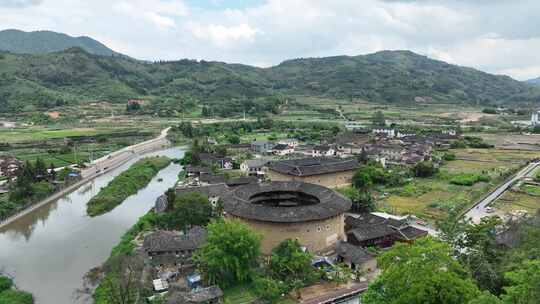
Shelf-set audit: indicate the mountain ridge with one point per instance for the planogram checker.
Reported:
(43, 42)
(74, 75)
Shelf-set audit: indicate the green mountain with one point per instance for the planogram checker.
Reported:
(42, 42)
(74, 76)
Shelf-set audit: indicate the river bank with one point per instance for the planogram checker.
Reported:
(50, 250)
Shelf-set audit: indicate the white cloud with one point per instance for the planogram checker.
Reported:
(495, 36)
(222, 35)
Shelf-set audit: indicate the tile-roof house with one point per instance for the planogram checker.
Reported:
(328, 172)
(323, 151)
(197, 170)
(174, 243)
(221, 161)
(355, 257)
(371, 230)
(282, 149)
(254, 166)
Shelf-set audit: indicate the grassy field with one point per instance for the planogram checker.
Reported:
(512, 201)
(433, 198)
(37, 133)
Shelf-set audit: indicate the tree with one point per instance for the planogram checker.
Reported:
(362, 200)
(424, 272)
(269, 289)
(40, 170)
(362, 180)
(476, 248)
(486, 298)
(289, 263)
(122, 283)
(190, 209)
(378, 119)
(230, 254)
(424, 169)
(340, 274)
(524, 284)
(233, 139)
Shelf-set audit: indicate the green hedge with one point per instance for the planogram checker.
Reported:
(126, 184)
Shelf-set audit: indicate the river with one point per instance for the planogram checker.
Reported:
(50, 250)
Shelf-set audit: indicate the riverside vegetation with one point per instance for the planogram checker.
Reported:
(126, 184)
(10, 295)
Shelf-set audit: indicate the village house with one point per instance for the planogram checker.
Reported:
(388, 133)
(212, 192)
(323, 151)
(197, 171)
(256, 167)
(53, 114)
(211, 179)
(139, 102)
(292, 142)
(355, 257)
(172, 247)
(212, 159)
(261, 146)
(9, 166)
(328, 172)
(368, 230)
(282, 149)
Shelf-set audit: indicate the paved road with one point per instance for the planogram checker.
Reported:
(121, 156)
(480, 209)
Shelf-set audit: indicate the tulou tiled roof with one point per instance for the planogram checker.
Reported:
(168, 241)
(313, 166)
(356, 254)
(285, 202)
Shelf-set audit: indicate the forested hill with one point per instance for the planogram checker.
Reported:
(42, 42)
(74, 75)
(396, 76)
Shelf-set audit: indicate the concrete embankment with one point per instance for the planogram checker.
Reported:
(96, 168)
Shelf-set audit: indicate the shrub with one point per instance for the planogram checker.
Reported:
(16, 297)
(468, 179)
(449, 156)
(424, 169)
(268, 289)
(5, 283)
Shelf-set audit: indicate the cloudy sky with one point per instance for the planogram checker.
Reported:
(497, 36)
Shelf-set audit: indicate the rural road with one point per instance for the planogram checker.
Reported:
(119, 157)
(480, 209)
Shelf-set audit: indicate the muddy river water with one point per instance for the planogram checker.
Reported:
(49, 251)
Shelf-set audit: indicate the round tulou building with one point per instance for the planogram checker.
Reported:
(311, 214)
